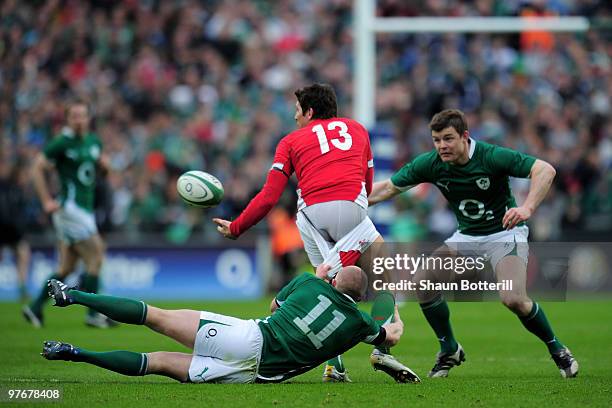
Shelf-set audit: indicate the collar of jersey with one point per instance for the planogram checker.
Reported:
(470, 154)
(472, 148)
(349, 298)
(68, 132)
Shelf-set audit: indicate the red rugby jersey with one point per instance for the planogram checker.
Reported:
(332, 160)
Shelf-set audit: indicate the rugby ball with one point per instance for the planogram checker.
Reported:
(199, 189)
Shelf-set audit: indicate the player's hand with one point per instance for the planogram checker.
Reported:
(515, 215)
(322, 270)
(396, 316)
(50, 206)
(223, 226)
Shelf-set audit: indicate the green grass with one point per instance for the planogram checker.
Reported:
(506, 365)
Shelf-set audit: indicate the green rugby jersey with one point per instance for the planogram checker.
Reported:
(314, 323)
(75, 159)
(479, 191)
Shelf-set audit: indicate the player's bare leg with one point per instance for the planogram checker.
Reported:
(68, 259)
(530, 314)
(513, 268)
(169, 364)
(435, 309)
(91, 251)
(366, 260)
(180, 325)
(22, 255)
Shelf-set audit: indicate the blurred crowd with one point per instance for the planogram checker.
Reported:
(178, 85)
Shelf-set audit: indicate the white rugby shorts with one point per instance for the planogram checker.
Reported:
(73, 224)
(343, 252)
(226, 350)
(496, 246)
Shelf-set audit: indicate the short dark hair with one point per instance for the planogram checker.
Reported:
(449, 118)
(75, 102)
(321, 98)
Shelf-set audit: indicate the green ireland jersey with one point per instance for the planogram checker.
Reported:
(75, 159)
(479, 191)
(314, 322)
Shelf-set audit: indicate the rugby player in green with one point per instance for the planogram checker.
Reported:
(74, 155)
(311, 322)
(473, 177)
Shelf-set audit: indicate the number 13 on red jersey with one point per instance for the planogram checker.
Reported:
(344, 144)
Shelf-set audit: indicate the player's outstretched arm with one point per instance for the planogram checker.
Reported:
(542, 175)
(40, 167)
(257, 208)
(394, 330)
(381, 191)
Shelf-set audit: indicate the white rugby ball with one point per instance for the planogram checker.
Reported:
(199, 189)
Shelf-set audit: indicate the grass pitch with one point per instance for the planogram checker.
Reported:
(506, 365)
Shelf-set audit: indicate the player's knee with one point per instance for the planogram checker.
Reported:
(101, 247)
(65, 270)
(94, 261)
(161, 362)
(94, 267)
(421, 276)
(23, 249)
(161, 321)
(424, 280)
(94, 264)
(426, 296)
(515, 303)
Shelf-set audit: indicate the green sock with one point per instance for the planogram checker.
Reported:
(537, 323)
(337, 362)
(119, 309)
(383, 310)
(438, 316)
(91, 284)
(43, 295)
(122, 362)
